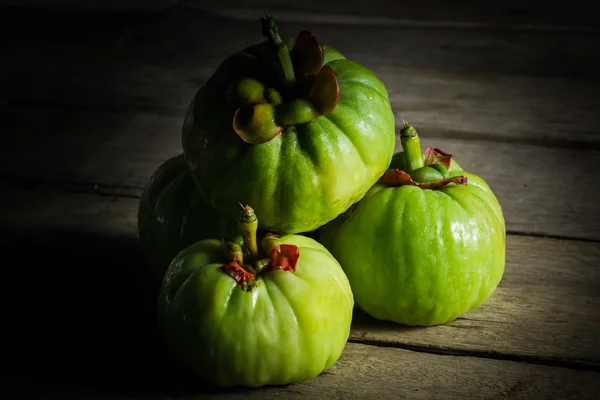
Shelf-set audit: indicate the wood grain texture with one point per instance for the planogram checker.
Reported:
(545, 309)
(145, 5)
(526, 87)
(549, 299)
(365, 372)
(121, 150)
(512, 14)
(508, 87)
(464, 13)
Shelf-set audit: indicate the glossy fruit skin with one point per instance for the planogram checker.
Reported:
(290, 327)
(421, 257)
(172, 215)
(304, 177)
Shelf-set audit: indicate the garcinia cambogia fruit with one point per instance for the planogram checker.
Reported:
(426, 244)
(266, 310)
(292, 127)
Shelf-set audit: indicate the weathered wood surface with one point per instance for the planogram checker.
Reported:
(519, 86)
(547, 306)
(545, 310)
(510, 14)
(509, 87)
(143, 5)
(367, 372)
(121, 150)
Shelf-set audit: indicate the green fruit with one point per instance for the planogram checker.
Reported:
(421, 253)
(301, 134)
(236, 319)
(172, 215)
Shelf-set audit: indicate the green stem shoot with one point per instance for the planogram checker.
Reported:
(412, 147)
(283, 65)
(248, 226)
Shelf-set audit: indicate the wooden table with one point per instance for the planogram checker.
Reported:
(93, 104)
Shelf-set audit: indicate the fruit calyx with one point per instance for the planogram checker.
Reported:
(427, 171)
(307, 90)
(248, 261)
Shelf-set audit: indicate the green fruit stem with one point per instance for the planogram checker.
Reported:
(262, 265)
(248, 226)
(283, 65)
(412, 147)
(269, 244)
(233, 252)
(247, 261)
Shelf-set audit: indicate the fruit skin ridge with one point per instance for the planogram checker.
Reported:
(290, 327)
(309, 174)
(420, 256)
(172, 215)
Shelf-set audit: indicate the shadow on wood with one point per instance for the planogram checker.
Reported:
(80, 313)
(363, 322)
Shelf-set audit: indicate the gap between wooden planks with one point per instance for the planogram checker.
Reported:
(544, 311)
(543, 190)
(366, 372)
(518, 86)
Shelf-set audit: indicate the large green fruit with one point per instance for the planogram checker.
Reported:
(426, 244)
(172, 215)
(301, 134)
(269, 316)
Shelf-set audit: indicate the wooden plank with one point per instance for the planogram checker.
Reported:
(104, 148)
(146, 5)
(74, 31)
(68, 138)
(543, 190)
(545, 309)
(535, 110)
(463, 13)
(527, 87)
(550, 54)
(547, 111)
(121, 148)
(365, 372)
(545, 280)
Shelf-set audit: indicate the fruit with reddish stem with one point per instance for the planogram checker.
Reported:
(271, 311)
(426, 244)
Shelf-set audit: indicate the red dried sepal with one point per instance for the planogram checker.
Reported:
(459, 180)
(307, 54)
(237, 272)
(396, 177)
(285, 257)
(255, 123)
(325, 91)
(436, 156)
